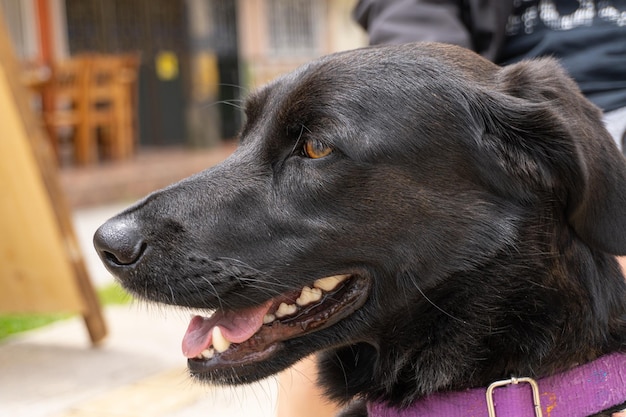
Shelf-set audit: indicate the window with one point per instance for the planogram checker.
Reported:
(294, 26)
(20, 17)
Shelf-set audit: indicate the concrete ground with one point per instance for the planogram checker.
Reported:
(138, 371)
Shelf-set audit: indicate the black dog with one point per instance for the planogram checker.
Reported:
(465, 218)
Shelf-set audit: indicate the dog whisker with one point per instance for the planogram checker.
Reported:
(298, 139)
(434, 304)
(215, 292)
(243, 89)
(233, 103)
(343, 371)
(274, 288)
(169, 287)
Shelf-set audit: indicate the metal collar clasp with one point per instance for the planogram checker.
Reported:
(533, 384)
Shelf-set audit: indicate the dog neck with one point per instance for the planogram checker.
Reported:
(578, 392)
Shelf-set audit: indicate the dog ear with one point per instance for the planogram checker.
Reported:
(546, 134)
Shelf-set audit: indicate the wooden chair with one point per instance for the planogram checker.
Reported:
(63, 106)
(93, 94)
(110, 107)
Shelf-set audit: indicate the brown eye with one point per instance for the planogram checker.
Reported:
(315, 149)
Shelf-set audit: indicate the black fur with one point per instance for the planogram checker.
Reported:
(485, 204)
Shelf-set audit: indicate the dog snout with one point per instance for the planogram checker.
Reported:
(119, 243)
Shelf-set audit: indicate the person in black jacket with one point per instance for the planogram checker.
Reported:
(588, 37)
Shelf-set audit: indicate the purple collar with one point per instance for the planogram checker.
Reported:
(579, 392)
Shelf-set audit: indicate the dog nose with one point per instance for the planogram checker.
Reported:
(119, 243)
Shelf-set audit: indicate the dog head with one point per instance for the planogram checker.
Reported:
(376, 205)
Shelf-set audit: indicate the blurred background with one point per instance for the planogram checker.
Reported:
(181, 66)
(122, 98)
(186, 55)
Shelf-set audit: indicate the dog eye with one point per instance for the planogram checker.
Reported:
(316, 149)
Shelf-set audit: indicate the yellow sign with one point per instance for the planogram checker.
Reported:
(166, 65)
(206, 76)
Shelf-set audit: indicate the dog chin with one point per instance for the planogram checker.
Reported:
(253, 367)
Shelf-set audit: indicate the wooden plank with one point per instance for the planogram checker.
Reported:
(41, 266)
(34, 267)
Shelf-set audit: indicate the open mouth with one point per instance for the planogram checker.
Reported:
(241, 337)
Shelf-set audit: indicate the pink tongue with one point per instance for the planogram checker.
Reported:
(236, 326)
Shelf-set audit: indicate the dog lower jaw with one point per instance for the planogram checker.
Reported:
(263, 354)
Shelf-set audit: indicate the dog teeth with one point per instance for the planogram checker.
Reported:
(285, 310)
(308, 296)
(207, 353)
(330, 283)
(220, 344)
